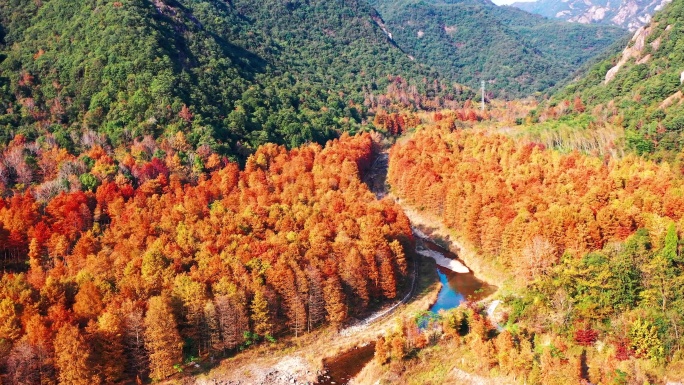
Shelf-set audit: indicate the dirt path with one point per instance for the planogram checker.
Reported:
(298, 361)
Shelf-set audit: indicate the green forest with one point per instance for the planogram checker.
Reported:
(515, 52)
(235, 75)
(642, 95)
(231, 75)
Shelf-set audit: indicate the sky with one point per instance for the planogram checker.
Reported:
(506, 2)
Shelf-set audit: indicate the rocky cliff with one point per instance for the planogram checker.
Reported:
(629, 14)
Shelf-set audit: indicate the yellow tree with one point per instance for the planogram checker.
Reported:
(192, 295)
(110, 338)
(161, 338)
(71, 357)
(10, 329)
(399, 256)
(381, 353)
(260, 314)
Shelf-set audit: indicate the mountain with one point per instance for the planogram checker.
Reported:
(629, 14)
(233, 75)
(640, 89)
(517, 53)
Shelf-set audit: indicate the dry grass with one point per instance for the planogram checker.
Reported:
(447, 362)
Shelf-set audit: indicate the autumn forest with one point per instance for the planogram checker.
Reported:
(206, 192)
(120, 276)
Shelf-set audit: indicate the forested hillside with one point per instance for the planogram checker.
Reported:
(235, 75)
(166, 198)
(134, 277)
(232, 75)
(640, 90)
(593, 246)
(516, 52)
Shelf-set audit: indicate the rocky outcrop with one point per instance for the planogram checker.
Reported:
(672, 99)
(381, 24)
(629, 14)
(636, 50)
(632, 51)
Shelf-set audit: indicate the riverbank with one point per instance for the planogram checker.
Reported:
(447, 362)
(484, 269)
(299, 360)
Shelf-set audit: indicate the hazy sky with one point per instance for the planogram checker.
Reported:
(502, 2)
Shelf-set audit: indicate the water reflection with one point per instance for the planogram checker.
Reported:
(456, 287)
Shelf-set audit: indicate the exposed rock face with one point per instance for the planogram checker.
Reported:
(629, 14)
(672, 99)
(634, 50)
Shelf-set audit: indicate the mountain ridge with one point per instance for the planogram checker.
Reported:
(243, 74)
(639, 88)
(517, 53)
(247, 74)
(629, 14)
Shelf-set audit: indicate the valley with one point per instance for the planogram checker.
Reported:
(339, 355)
(319, 192)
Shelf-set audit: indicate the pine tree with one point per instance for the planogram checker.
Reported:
(192, 295)
(670, 251)
(398, 348)
(505, 351)
(388, 281)
(296, 314)
(399, 256)
(381, 352)
(36, 274)
(134, 343)
(110, 339)
(233, 320)
(334, 302)
(315, 302)
(211, 328)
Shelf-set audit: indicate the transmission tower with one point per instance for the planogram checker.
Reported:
(483, 95)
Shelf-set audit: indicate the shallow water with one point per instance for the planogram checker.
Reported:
(456, 287)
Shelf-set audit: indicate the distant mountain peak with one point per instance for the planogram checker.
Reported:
(629, 14)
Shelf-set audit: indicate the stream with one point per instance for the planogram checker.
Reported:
(458, 285)
(456, 288)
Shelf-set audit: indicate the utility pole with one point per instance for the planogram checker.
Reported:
(483, 95)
